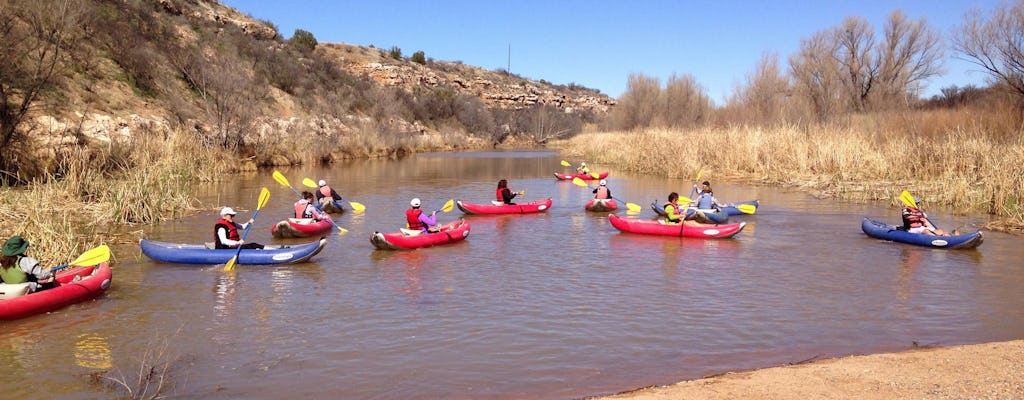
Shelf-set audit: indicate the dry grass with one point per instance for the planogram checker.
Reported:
(967, 167)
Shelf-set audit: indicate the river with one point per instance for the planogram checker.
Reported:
(556, 305)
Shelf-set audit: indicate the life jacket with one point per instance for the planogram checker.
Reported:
(232, 233)
(325, 191)
(500, 195)
(602, 192)
(675, 211)
(705, 201)
(302, 209)
(14, 274)
(412, 216)
(913, 218)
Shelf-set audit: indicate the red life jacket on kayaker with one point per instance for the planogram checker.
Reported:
(412, 216)
(675, 211)
(232, 232)
(499, 195)
(602, 192)
(301, 208)
(913, 218)
(325, 191)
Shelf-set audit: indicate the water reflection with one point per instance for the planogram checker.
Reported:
(92, 351)
(224, 292)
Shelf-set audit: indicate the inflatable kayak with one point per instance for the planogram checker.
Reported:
(91, 282)
(646, 227)
(732, 210)
(712, 216)
(884, 231)
(329, 205)
(586, 177)
(601, 205)
(406, 239)
(300, 228)
(502, 208)
(205, 253)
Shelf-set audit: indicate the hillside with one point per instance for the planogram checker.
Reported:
(198, 66)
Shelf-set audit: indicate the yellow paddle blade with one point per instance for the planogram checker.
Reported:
(595, 175)
(448, 205)
(631, 212)
(92, 257)
(908, 199)
(309, 183)
(522, 192)
(231, 263)
(579, 182)
(684, 199)
(279, 177)
(633, 208)
(566, 164)
(264, 198)
(358, 207)
(341, 231)
(698, 175)
(746, 208)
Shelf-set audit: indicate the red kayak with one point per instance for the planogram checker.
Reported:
(586, 177)
(646, 227)
(300, 228)
(406, 239)
(501, 208)
(601, 205)
(93, 282)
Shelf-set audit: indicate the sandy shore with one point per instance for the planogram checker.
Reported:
(982, 371)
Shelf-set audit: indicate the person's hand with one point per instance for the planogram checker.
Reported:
(434, 213)
(251, 220)
(241, 242)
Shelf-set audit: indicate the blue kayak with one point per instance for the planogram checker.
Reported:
(201, 254)
(711, 216)
(882, 230)
(732, 210)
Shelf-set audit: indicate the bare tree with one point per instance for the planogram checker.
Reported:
(763, 96)
(683, 103)
(33, 37)
(816, 76)
(858, 66)
(911, 53)
(638, 105)
(996, 44)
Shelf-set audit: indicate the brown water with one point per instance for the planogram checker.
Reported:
(552, 306)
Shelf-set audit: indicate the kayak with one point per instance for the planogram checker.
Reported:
(704, 216)
(300, 228)
(884, 231)
(601, 205)
(586, 177)
(406, 239)
(707, 231)
(205, 253)
(329, 205)
(93, 281)
(732, 210)
(502, 208)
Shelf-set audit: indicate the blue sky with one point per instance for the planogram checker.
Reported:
(597, 44)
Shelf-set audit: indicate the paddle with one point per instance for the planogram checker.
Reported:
(633, 208)
(448, 205)
(695, 181)
(907, 199)
(264, 197)
(357, 207)
(92, 257)
(746, 208)
(593, 174)
(279, 177)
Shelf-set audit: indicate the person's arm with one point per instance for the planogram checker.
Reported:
(222, 234)
(670, 212)
(335, 195)
(429, 220)
(31, 266)
(507, 195)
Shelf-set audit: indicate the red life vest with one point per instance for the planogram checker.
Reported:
(498, 194)
(675, 211)
(913, 217)
(300, 209)
(602, 192)
(325, 191)
(412, 216)
(232, 232)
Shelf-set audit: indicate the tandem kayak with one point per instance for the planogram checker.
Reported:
(501, 208)
(707, 231)
(712, 216)
(601, 205)
(300, 228)
(405, 239)
(884, 231)
(586, 177)
(205, 253)
(93, 281)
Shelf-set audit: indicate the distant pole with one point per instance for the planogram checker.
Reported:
(509, 68)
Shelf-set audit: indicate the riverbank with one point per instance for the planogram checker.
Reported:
(980, 371)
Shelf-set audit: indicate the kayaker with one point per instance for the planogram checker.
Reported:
(306, 208)
(706, 197)
(674, 213)
(226, 234)
(418, 220)
(504, 194)
(602, 191)
(582, 169)
(916, 221)
(326, 191)
(16, 267)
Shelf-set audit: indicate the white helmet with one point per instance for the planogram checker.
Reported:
(322, 183)
(604, 183)
(227, 211)
(583, 164)
(415, 202)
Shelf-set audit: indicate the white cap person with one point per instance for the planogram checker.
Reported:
(226, 235)
(417, 219)
(602, 191)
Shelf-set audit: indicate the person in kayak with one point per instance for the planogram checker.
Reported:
(602, 191)
(324, 191)
(418, 220)
(675, 213)
(582, 169)
(16, 267)
(706, 197)
(504, 194)
(226, 232)
(916, 221)
(306, 208)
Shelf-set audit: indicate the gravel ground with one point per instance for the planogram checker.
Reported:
(981, 371)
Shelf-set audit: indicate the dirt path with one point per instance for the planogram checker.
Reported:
(982, 371)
